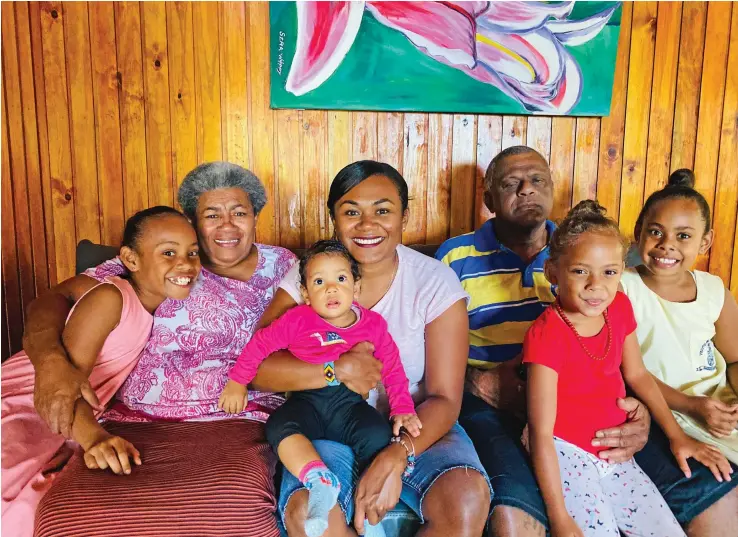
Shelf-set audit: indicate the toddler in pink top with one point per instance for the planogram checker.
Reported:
(327, 325)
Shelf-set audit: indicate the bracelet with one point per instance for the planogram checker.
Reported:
(329, 374)
(409, 450)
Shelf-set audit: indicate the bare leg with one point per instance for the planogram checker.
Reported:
(457, 504)
(296, 512)
(721, 518)
(507, 521)
(295, 452)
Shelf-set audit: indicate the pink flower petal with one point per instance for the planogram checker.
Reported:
(522, 16)
(325, 33)
(444, 30)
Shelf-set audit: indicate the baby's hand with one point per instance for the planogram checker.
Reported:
(685, 447)
(234, 397)
(410, 422)
(112, 452)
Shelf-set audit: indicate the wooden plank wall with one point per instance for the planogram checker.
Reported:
(106, 106)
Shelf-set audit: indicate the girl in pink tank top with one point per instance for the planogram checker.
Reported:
(104, 335)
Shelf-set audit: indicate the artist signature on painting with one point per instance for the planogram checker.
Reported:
(280, 58)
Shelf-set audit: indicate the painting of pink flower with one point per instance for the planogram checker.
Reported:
(552, 58)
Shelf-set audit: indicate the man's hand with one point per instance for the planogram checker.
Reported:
(501, 387)
(719, 418)
(58, 385)
(630, 437)
(358, 369)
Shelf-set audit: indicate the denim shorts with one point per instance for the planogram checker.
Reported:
(455, 450)
(496, 435)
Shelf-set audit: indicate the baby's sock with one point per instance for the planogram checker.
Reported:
(323, 488)
(373, 531)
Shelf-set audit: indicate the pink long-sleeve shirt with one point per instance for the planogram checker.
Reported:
(314, 340)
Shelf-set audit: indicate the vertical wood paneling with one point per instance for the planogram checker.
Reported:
(57, 116)
(711, 105)
(96, 130)
(662, 95)
(439, 177)
(81, 112)
(415, 168)
(563, 142)
(726, 197)
(637, 108)
(489, 143)
(463, 174)
(131, 97)
(207, 81)
(156, 94)
(180, 48)
(585, 159)
(689, 73)
(31, 127)
(234, 89)
(314, 176)
(612, 127)
(289, 171)
(106, 113)
(365, 135)
(14, 120)
(262, 119)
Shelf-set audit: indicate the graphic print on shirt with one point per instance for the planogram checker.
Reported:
(331, 338)
(707, 352)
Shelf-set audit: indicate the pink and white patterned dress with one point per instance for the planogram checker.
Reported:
(195, 342)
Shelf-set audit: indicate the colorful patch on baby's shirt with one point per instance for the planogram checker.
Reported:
(329, 338)
(707, 353)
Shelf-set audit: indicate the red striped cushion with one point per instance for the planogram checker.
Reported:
(197, 479)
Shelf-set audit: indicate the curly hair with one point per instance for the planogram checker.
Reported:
(489, 175)
(215, 175)
(328, 247)
(587, 216)
(680, 186)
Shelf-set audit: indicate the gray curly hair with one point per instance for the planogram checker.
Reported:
(490, 175)
(214, 175)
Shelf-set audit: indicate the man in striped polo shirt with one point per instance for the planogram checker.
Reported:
(501, 267)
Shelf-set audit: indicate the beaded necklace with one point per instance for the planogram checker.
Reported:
(579, 338)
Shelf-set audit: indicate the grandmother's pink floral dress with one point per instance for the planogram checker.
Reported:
(195, 342)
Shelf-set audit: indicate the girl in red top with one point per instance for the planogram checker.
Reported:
(580, 352)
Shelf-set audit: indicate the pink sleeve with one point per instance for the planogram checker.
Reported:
(542, 346)
(277, 336)
(393, 374)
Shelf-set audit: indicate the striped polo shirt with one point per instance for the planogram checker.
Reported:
(507, 295)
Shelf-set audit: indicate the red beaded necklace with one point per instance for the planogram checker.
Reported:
(579, 338)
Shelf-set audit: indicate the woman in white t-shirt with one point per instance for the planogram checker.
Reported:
(425, 308)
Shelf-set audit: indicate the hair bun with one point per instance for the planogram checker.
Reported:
(681, 178)
(587, 208)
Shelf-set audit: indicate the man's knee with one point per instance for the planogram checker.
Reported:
(459, 500)
(509, 521)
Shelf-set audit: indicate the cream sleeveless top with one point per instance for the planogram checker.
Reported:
(676, 343)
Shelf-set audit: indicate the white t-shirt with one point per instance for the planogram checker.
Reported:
(422, 290)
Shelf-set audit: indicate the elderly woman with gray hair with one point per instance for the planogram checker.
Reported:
(179, 377)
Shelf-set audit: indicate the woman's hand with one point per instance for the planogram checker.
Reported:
(719, 418)
(410, 422)
(378, 490)
(112, 452)
(358, 369)
(627, 439)
(565, 526)
(57, 388)
(683, 447)
(233, 398)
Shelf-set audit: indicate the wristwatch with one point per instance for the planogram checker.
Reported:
(329, 373)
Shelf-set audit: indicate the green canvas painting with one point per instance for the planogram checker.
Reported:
(550, 58)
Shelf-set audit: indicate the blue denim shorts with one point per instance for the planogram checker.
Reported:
(496, 435)
(455, 450)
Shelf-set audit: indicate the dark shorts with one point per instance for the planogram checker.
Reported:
(496, 436)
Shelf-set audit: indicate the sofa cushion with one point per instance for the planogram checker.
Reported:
(198, 479)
